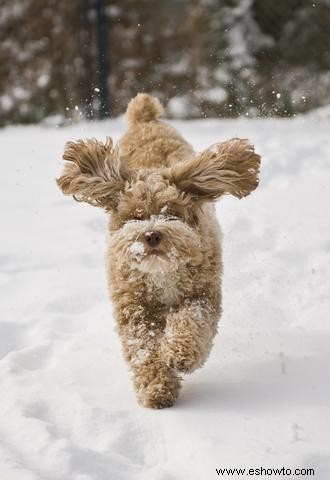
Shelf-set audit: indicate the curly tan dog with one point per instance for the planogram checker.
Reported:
(164, 256)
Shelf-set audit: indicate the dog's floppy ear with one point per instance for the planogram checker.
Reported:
(93, 173)
(228, 167)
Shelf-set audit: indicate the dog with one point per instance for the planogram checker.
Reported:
(164, 253)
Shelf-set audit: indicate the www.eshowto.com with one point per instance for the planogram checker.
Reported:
(265, 471)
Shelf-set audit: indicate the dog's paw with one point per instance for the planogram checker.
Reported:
(157, 395)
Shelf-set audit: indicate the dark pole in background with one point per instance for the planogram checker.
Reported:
(88, 58)
(96, 67)
(102, 61)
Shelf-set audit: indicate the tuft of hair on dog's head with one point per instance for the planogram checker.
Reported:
(93, 173)
(230, 167)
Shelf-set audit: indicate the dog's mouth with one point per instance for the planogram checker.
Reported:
(138, 250)
(154, 252)
(155, 263)
(151, 260)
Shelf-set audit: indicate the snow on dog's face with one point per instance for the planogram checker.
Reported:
(159, 244)
(154, 228)
(155, 212)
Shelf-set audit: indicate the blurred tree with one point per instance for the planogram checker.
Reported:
(40, 66)
(201, 57)
(296, 64)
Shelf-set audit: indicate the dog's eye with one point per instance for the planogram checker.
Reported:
(172, 219)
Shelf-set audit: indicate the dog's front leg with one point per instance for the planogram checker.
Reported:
(157, 385)
(188, 336)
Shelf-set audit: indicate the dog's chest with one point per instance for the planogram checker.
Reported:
(166, 288)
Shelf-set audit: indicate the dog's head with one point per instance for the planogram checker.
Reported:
(156, 213)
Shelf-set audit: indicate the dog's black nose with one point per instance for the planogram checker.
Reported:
(153, 238)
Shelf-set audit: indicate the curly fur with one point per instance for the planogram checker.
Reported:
(94, 174)
(144, 108)
(167, 298)
(228, 167)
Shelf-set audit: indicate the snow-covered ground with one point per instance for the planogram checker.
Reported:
(67, 408)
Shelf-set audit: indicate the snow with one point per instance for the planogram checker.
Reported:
(137, 250)
(216, 95)
(181, 107)
(68, 410)
(6, 102)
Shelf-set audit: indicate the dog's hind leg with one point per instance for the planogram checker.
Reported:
(188, 336)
